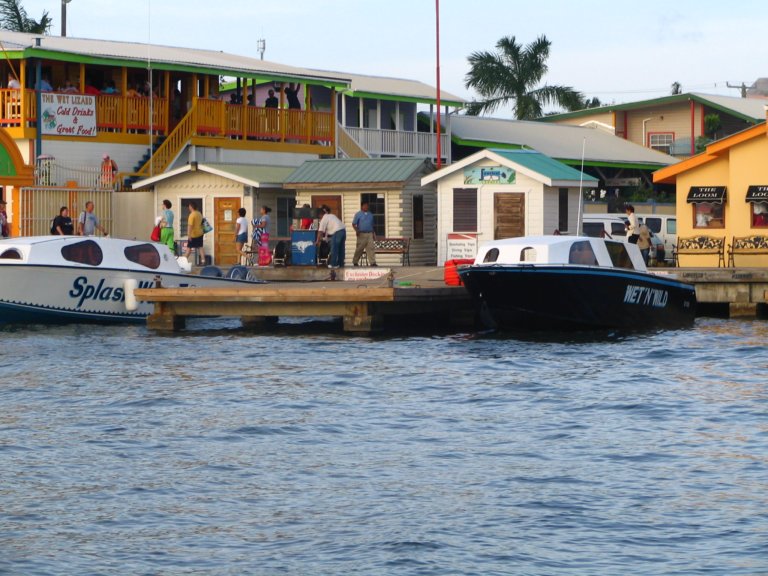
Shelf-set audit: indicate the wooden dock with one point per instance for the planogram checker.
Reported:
(365, 305)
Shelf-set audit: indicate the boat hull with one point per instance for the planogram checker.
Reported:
(59, 294)
(577, 298)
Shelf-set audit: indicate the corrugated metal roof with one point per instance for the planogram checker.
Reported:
(248, 174)
(356, 170)
(161, 55)
(253, 173)
(397, 87)
(544, 165)
(556, 140)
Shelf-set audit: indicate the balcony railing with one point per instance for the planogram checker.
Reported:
(398, 142)
(50, 172)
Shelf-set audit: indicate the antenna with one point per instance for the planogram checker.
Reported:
(743, 88)
(261, 46)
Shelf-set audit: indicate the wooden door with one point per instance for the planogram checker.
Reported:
(225, 215)
(509, 215)
(333, 202)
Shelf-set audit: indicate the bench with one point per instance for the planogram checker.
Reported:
(701, 245)
(391, 246)
(747, 245)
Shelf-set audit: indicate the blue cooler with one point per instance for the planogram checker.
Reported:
(303, 249)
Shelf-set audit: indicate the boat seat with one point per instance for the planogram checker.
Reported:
(213, 271)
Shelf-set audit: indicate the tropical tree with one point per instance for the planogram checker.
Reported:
(14, 17)
(512, 75)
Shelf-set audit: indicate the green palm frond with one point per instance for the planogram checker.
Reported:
(14, 17)
(511, 74)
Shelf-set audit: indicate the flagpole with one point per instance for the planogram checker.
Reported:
(437, 51)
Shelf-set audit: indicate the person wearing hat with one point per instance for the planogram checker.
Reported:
(108, 171)
(6, 229)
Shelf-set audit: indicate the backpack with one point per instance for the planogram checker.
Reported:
(54, 232)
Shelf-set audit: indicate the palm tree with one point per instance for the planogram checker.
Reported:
(512, 74)
(14, 17)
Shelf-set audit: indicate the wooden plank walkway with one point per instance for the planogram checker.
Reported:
(364, 305)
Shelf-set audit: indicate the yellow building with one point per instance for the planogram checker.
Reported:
(723, 193)
(671, 124)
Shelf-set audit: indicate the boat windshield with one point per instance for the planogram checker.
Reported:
(85, 252)
(619, 255)
(582, 253)
(144, 255)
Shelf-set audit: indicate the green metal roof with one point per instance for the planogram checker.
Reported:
(357, 170)
(543, 165)
(253, 173)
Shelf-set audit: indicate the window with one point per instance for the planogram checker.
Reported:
(492, 255)
(11, 254)
(759, 214)
(528, 254)
(183, 215)
(143, 254)
(285, 208)
(708, 215)
(619, 255)
(465, 210)
(582, 253)
(562, 210)
(654, 224)
(376, 207)
(662, 141)
(85, 252)
(418, 216)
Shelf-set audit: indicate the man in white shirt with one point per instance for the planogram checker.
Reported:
(333, 229)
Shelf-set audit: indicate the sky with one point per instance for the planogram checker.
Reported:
(616, 51)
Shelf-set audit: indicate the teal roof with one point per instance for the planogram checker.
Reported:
(544, 165)
(357, 170)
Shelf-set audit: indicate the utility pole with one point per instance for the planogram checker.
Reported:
(64, 17)
(743, 88)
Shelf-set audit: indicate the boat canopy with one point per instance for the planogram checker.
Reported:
(561, 250)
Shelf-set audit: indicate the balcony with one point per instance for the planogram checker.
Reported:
(122, 117)
(398, 143)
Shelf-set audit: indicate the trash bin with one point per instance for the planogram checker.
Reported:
(303, 249)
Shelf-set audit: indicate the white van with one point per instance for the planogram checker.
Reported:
(615, 226)
(664, 226)
(608, 225)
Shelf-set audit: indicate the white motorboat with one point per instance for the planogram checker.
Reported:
(75, 279)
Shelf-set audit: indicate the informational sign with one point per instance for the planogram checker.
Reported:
(489, 175)
(228, 215)
(362, 274)
(68, 114)
(461, 246)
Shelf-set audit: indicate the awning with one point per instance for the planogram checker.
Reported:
(757, 194)
(711, 194)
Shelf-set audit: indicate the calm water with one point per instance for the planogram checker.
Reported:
(218, 451)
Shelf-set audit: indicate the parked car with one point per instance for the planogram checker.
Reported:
(615, 226)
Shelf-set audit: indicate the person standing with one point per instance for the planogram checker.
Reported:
(195, 232)
(292, 96)
(644, 242)
(333, 229)
(632, 227)
(363, 225)
(88, 222)
(62, 224)
(108, 171)
(5, 228)
(271, 101)
(166, 226)
(261, 228)
(241, 230)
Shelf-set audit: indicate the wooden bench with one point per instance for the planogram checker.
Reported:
(391, 246)
(747, 245)
(701, 245)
